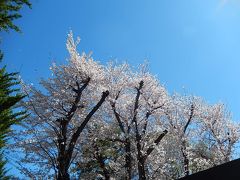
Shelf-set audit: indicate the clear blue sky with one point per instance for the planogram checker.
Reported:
(190, 43)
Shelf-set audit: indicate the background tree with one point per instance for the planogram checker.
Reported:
(204, 135)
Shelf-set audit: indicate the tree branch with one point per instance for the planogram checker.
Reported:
(116, 114)
(156, 142)
(84, 123)
(79, 91)
(189, 119)
(146, 122)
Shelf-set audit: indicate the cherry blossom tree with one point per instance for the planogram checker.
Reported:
(136, 104)
(59, 116)
(117, 122)
(220, 135)
(204, 135)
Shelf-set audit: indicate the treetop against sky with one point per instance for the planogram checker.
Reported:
(112, 120)
(191, 44)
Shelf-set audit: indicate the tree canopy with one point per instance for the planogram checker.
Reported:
(110, 121)
(9, 11)
(9, 97)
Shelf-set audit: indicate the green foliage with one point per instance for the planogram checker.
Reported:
(9, 97)
(9, 12)
(100, 150)
(3, 172)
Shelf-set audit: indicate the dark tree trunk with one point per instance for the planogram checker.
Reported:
(62, 164)
(183, 149)
(140, 158)
(65, 150)
(185, 160)
(63, 175)
(127, 142)
(141, 169)
(128, 159)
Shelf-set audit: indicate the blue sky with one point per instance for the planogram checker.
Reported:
(193, 44)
